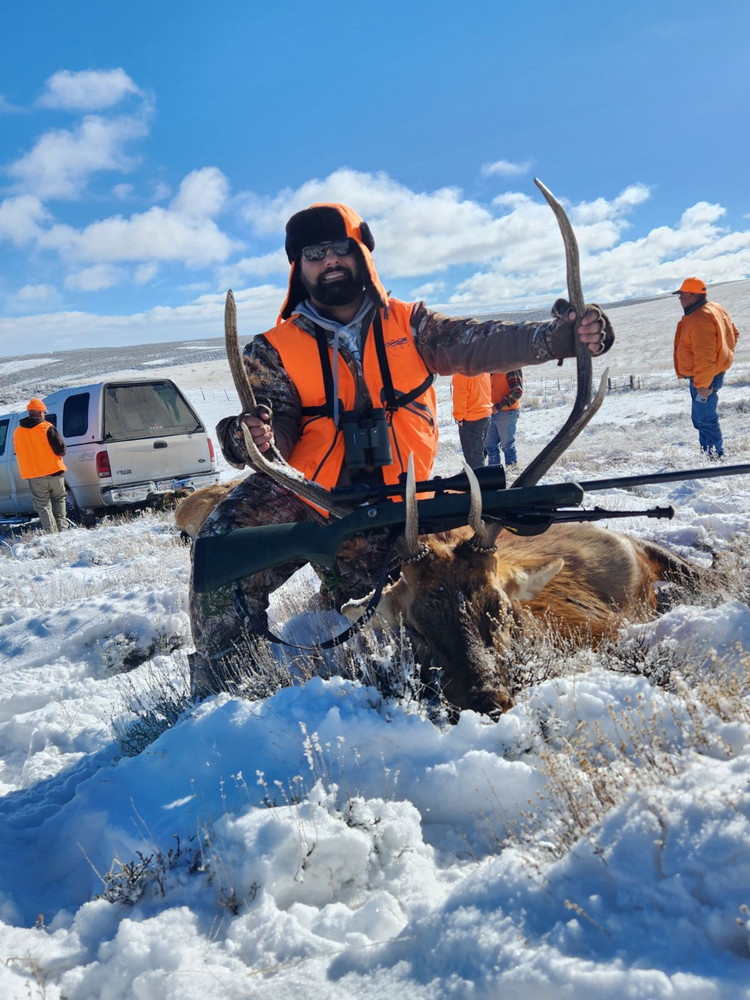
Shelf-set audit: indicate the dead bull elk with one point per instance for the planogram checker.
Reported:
(462, 593)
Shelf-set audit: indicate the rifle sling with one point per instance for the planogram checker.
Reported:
(337, 640)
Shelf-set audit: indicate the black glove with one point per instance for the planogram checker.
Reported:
(557, 338)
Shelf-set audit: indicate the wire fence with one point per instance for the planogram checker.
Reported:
(540, 390)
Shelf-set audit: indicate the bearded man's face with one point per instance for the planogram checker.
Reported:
(333, 281)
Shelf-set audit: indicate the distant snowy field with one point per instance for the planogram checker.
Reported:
(324, 843)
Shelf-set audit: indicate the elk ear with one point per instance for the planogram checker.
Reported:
(526, 582)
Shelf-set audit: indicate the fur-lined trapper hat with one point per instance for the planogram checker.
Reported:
(319, 224)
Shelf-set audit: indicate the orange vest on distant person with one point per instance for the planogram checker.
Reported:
(319, 451)
(34, 455)
(472, 399)
(501, 388)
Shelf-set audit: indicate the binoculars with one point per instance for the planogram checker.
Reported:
(366, 439)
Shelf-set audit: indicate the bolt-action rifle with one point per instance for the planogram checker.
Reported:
(223, 559)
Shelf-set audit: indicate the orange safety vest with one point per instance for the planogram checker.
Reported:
(411, 410)
(472, 399)
(34, 455)
(501, 388)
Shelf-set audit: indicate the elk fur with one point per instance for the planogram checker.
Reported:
(464, 605)
(191, 512)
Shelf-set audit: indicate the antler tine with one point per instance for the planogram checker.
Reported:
(475, 503)
(584, 407)
(277, 467)
(484, 535)
(410, 545)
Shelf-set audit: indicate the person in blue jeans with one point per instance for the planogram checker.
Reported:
(704, 345)
(507, 389)
(705, 416)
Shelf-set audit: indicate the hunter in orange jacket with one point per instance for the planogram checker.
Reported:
(704, 345)
(345, 381)
(472, 397)
(472, 407)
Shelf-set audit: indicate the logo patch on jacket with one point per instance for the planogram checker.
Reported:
(397, 343)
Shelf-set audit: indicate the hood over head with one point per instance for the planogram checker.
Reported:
(319, 224)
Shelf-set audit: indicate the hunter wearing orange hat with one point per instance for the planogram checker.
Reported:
(345, 378)
(39, 450)
(704, 345)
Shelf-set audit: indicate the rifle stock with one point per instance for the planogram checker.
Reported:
(222, 559)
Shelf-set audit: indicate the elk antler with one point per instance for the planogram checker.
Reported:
(410, 549)
(583, 407)
(485, 535)
(276, 467)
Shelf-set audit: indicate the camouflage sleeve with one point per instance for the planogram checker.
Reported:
(274, 389)
(467, 346)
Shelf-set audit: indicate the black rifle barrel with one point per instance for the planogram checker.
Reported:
(222, 559)
(665, 477)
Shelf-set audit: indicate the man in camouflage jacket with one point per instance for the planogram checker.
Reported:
(336, 298)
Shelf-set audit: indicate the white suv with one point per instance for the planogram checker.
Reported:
(129, 441)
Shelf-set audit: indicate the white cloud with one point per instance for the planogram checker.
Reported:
(145, 273)
(475, 257)
(94, 279)
(513, 245)
(123, 191)
(415, 233)
(161, 191)
(613, 269)
(90, 90)
(589, 212)
(257, 309)
(156, 235)
(61, 161)
(202, 194)
(36, 293)
(32, 297)
(429, 290)
(701, 215)
(505, 168)
(21, 219)
(262, 266)
(6, 108)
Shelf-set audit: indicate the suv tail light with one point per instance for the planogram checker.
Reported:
(211, 452)
(103, 468)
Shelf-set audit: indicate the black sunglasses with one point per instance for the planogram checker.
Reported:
(318, 251)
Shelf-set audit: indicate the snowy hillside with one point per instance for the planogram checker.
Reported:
(326, 842)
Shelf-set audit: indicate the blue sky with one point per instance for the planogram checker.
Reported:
(152, 151)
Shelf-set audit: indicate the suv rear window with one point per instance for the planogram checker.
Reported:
(4, 425)
(75, 415)
(152, 409)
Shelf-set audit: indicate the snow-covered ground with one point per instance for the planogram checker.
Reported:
(323, 842)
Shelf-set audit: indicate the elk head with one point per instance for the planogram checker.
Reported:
(459, 602)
